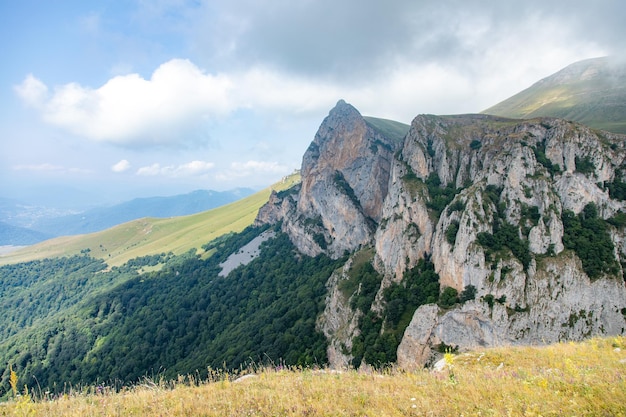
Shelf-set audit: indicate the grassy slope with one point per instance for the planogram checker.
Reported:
(585, 379)
(390, 128)
(592, 92)
(152, 236)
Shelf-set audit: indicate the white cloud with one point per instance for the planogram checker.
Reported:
(190, 169)
(151, 170)
(251, 168)
(194, 168)
(180, 101)
(258, 166)
(130, 110)
(121, 166)
(32, 91)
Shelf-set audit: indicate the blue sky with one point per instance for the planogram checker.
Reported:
(111, 100)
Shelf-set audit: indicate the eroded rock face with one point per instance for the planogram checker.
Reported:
(338, 322)
(345, 177)
(532, 168)
(359, 188)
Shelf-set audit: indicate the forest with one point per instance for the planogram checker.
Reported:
(117, 326)
(74, 321)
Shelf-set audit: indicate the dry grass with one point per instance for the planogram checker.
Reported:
(582, 379)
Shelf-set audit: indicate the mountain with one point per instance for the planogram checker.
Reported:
(398, 244)
(474, 230)
(592, 92)
(19, 236)
(101, 218)
(152, 236)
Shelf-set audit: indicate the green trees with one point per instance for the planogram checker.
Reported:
(584, 165)
(468, 293)
(540, 155)
(588, 236)
(451, 232)
(181, 319)
(449, 297)
(617, 188)
(440, 196)
(505, 235)
(419, 285)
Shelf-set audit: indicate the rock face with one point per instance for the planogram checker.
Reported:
(487, 200)
(345, 177)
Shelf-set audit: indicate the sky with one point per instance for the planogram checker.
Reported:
(103, 101)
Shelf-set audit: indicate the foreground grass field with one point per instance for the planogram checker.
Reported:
(568, 379)
(150, 236)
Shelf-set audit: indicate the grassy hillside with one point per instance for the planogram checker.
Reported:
(592, 92)
(583, 379)
(150, 236)
(390, 128)
(101, 218)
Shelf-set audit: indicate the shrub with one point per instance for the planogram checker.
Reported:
(489, 299)
(320, 240)
(451, 232)
(506, 235)
(342, 185)
(458, 205)
(619, 220)
(440, 196)
(468, 294)
(540, 156)
(617, 188)
(584, 165)
(587, 235)
(448, 297)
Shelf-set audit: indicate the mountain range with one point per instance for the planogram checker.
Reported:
(397, 244)
(25, 224)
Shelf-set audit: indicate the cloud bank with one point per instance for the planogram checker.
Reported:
(296, 59)
(133, 111)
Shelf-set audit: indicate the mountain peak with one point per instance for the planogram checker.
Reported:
(343, 116)
(592, 92)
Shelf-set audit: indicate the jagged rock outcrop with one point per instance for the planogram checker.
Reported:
(489, 201)
(339, 322)
(345, 176)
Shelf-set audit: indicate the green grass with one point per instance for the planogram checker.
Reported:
(582, 379)
(150, 236)
(389, 128)
(598, 101)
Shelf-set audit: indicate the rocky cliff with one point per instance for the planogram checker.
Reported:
(523, 223)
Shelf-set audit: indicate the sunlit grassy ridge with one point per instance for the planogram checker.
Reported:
(149, 236)
(582, 379)
(390, 128)
(592, 92)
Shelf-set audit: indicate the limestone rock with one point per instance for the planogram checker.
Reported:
(452, 181)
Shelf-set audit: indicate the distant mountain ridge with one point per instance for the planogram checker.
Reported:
(19, 236)
(102, 218)
(40, 226)
(150, 236)
(591, 92)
